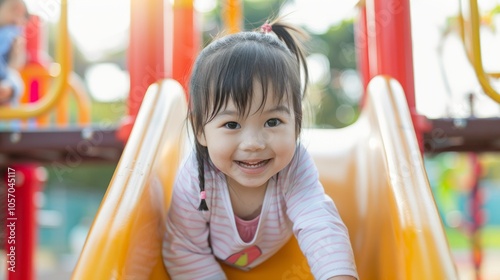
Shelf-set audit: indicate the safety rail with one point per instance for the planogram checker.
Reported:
(471, 39)
(40, 77)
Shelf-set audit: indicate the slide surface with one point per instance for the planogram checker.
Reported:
(372, 169)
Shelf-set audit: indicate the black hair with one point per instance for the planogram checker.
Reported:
(228, 67)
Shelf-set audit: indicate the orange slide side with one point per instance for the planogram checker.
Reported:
(373, 170)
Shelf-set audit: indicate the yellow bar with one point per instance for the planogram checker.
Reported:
(75, 86)
(182, 4)
(494, 75)
(476, 50)
(49, 100)
(233, 15)
(62, 111)
(82, 99)
(471, 38)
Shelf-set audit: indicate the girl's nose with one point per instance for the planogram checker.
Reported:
(253, 141)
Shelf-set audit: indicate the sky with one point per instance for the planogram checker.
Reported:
(100, 26)
(96, 26)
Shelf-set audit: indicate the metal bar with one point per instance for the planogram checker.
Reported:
(463, 135)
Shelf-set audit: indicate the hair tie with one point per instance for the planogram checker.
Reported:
(203, 203)
(266, 28)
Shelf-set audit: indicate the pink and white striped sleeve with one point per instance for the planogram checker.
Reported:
(186, 250)
(317, 225)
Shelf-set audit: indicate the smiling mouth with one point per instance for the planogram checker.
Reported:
(252, 165)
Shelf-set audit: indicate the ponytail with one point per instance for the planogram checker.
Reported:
(292, 37)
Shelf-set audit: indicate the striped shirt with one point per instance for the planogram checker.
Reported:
(294, 203)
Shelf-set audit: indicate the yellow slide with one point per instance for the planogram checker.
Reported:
(373, 170)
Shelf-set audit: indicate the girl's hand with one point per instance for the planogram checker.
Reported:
(5, 94)
(17, 57)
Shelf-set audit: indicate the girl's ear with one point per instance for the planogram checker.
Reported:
(201, 139)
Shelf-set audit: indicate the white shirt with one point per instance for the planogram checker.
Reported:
(294, 203)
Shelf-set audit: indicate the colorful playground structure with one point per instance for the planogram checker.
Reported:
(373, 169)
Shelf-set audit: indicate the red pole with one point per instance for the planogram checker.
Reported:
(145, 55)
(22, 183)
(390, 47)
(185, 42)
(476, 202)
(33, 42)
(394, 43)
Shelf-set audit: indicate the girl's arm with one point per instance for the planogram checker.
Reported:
(17, 54)
(321, 233)
(11, 88)
(186, 250)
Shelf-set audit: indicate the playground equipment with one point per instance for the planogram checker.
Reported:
(470, 134)
(403, 240)
(372, 169)
(32, 139)
(55, 93)
(394, 227)
(382, 162)
(471, 38)
(49, 88)
(154, 53)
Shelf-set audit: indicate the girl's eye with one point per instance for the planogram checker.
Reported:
(232, 125)
(273, 122)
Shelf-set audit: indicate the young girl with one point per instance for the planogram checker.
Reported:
(249, 185)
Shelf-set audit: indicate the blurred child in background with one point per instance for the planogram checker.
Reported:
(13, 17)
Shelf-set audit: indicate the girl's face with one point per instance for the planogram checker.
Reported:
(252, 149)
(12, 12)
